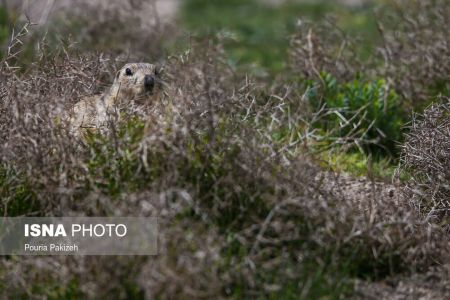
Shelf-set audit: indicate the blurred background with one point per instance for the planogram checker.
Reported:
(257, 32)
(300, 149)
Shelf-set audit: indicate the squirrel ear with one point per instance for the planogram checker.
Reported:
(117, 74)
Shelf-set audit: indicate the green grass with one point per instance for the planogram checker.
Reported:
(16, 195)
(359, 164)
(366, 109)
(259, 34)
(4, 28)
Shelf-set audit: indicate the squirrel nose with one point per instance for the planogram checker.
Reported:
(149, 82)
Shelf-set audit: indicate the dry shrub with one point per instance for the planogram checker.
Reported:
(240, 216)
(425, 157)
(130, 27)
(416, 48)
(413, 55)
(354, 108)
(324, 48)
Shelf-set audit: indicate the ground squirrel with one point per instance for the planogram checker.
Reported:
(135, 81)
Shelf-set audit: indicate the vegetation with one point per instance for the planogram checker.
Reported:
(17, 196)
(258, 33)
(282, 161)
(366, 113)
(4, 26)
(426, 156)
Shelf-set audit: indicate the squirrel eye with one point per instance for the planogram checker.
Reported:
(128, 72)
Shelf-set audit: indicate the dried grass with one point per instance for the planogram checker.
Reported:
(416, 49)
(425, 157)
(241, 214)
